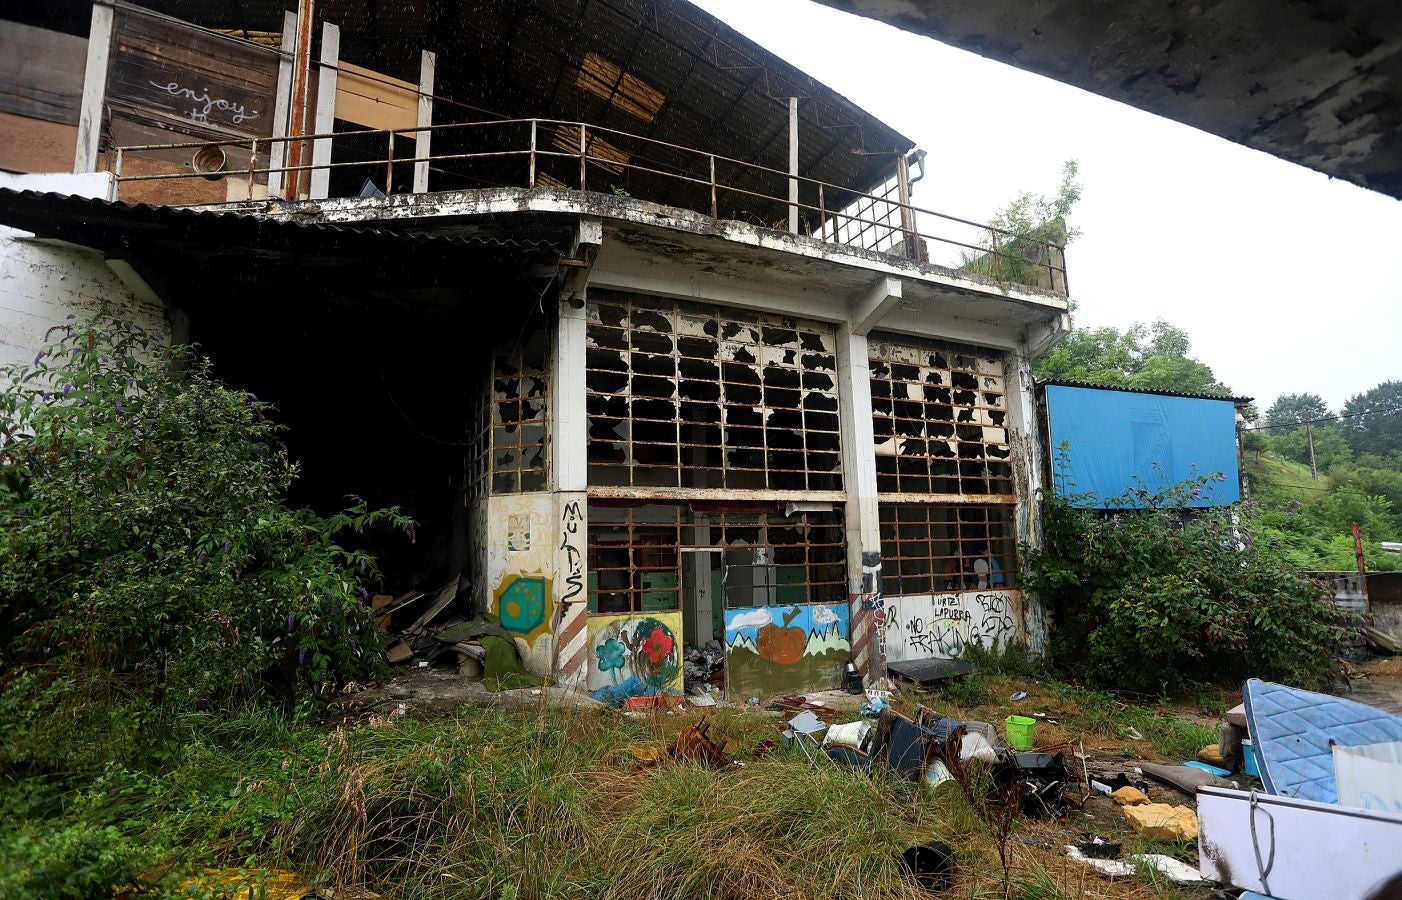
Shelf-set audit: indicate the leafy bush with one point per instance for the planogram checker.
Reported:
(146, 553)
(1159, 598)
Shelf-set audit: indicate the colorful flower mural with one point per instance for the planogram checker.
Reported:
(634, 655)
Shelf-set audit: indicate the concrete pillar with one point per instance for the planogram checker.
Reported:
(793, 165)
(1029, 463)
(569, 437)
(423, 140)
(325, 110)
(863, 527)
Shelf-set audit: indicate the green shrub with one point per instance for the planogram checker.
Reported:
(148, 562)
(1158, 598)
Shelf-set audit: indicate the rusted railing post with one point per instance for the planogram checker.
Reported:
(389, 167)
(997, 255)
(715, 213)
(252, 165)
(822, 212)
(583, 154)
(530, 180)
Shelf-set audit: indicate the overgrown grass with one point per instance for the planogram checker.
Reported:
(497, 803)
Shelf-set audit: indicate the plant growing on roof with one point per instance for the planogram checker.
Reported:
(146, 537)
(1024, 233)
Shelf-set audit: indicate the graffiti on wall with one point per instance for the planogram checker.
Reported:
(523, 605)
(775, 649)
(634, 655)
(520, 569)
(942, 625)
(572, 560)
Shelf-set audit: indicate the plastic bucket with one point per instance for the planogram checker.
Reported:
(1022, 732)
(1248, 759)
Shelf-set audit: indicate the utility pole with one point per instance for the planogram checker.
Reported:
(1309, 433)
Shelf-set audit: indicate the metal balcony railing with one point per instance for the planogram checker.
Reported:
(577, 155)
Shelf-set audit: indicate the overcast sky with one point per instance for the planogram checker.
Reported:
(1286, 280)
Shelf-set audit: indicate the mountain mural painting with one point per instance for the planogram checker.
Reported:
(781, 649)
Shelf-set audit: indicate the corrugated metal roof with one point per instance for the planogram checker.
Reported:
(723, 93)
(111, 224)
(1067, 382)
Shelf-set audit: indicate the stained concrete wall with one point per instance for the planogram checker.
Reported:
(43, 282)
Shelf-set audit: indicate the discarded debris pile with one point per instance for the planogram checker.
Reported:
(933, 749)
(704, 669)
(435, 635)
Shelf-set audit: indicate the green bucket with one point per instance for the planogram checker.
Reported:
(1022, 732)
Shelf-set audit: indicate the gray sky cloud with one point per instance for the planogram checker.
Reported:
(1286, 280)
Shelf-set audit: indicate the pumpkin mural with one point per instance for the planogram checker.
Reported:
(784, 644)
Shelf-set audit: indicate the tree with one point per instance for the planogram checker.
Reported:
(1294, 409)
(1018, 246)
(144, 534)
(1373, 419)
(1147, 357)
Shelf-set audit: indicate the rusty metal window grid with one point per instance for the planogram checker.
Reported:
(635, 556)
(939, 418)
(933, 549)
(519, 432)
(478, 462)
(681, 395)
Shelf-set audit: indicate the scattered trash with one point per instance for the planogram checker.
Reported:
(273, 884)
(1133, 733)
(1099, 848)
(1185, 778)
(874, 707)
(1213, 756)
(646, 754)
(753, 701)
(696, 743)
(1213, 770)
(1129, 796)
(1039, 779)
(1115, 868)
(1294, 732)
(930, 865)
(1162, 821)
(852, 734)
(701, 700)
(1175, 870)
(1022, 732)
(852, 679)
(1018, 695)
(704, 668)
(1369, 776)
(936, 774)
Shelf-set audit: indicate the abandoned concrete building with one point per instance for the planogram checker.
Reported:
(637, 320)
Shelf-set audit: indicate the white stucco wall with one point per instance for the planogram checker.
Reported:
(43, 282)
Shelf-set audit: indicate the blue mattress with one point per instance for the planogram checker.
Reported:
(1294, 731)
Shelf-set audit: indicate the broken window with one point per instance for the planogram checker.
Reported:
(939, 419)
(680, 395)
(928, 549)
(765, 558)
(518, 423)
